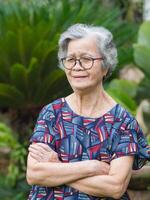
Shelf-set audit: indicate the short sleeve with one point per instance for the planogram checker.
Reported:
(132, 141)
(44, 130)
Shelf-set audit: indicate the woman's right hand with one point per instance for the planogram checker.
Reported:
(43, 153)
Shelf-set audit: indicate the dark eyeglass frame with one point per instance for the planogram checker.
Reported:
(75, 59)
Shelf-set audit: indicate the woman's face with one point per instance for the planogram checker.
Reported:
(78, 77)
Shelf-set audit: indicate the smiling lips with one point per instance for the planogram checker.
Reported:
(79, 76)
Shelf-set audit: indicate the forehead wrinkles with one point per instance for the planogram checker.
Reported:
(80, 54)
(83, 46)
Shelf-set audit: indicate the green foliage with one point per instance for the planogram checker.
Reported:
(28, 46)
(124, 92)
(29, 77)
(148, 139)
(19, 192)
(17, 167)
(7, 138)
(142, 59)
(17, 155)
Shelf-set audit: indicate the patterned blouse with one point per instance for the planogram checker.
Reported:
(77, 138)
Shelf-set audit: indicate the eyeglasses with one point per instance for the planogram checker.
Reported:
(85, 62)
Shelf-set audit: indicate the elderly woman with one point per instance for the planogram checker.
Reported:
(85, 145)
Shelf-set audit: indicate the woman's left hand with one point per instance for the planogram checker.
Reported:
(43, 153)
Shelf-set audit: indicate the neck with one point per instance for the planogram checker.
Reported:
(88, 103)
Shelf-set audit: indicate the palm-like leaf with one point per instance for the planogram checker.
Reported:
(142, 59)
(18, 74)
(29, 32)
(124, 93)
(28, 44)
(6, 137)
(9, 95)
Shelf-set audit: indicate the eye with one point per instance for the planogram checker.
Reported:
(86, 59)
(70, 59)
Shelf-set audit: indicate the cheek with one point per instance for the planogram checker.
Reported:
(97, 75)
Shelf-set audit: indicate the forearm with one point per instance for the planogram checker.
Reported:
(145, 170)
(55, 174)
(101, 186)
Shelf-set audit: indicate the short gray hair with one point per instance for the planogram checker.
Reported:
(105, 43)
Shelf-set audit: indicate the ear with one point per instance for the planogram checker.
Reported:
(105, 71)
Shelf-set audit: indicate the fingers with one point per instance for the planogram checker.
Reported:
(43, 157)
(39, 148)
(35, 156)
(44, 146)
(42, 152)
(33, 150)
(37, 152)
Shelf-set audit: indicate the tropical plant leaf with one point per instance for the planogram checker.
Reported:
(33, 74)
(46, 89)
(144, 34)
(123, 92)
(7, 139)
(29, 36)
(143, 90)
(9, 95)
(142, 57)
(18, 75)
(123, 99)
(126, 86)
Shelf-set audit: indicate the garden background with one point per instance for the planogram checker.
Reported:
(30, 78)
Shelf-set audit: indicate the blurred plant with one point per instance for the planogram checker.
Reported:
(7, 138)
(130, 94)
(142, 59)
(28, 76)
(28, 44)
(133, 9)
(16, 153)
(124, 92)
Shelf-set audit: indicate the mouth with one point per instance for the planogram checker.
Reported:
(79, 77)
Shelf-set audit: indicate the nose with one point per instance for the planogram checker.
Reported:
(77, 65)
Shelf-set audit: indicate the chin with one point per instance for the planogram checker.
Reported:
(81, 87)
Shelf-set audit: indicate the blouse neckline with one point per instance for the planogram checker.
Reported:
(85, 117)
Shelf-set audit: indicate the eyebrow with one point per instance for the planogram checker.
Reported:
(82, 54)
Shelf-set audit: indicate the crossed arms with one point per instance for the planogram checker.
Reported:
(92, 177)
